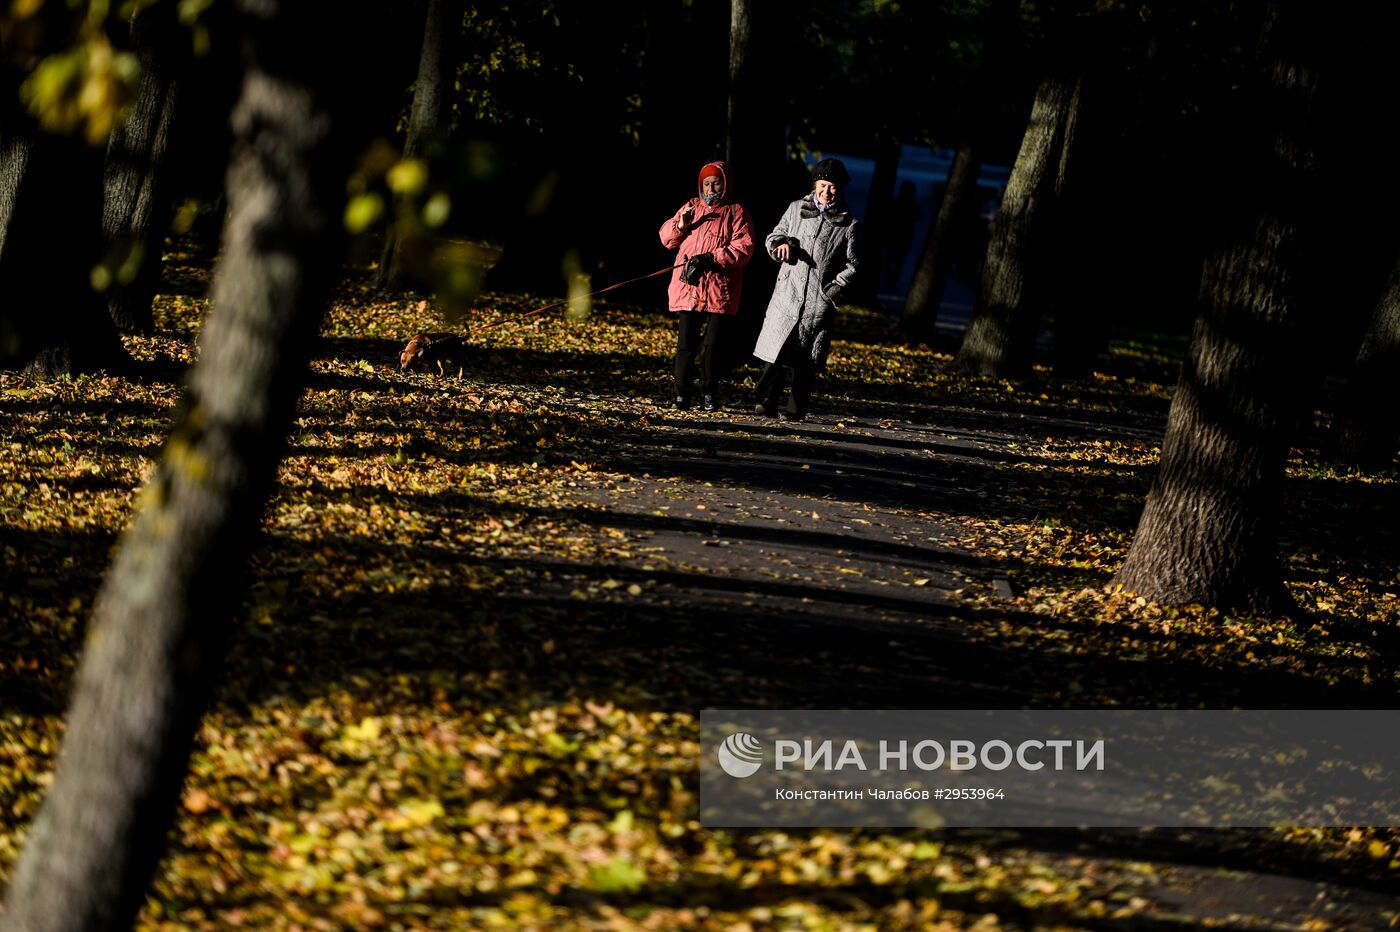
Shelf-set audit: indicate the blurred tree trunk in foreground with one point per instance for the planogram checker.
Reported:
(162, 616)
(1000, 339)
(1208, 533)
(1369, 425)
(428, 123)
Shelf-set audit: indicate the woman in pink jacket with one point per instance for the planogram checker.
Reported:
(715, 241)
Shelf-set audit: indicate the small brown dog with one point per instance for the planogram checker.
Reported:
(429, 350)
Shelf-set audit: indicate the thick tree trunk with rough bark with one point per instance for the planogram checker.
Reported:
(936, 259)
(162, 616)
(52, 322)
(1208, 533)
(427, 119)
(137, 182)
(1000, 339)
(1369, 426)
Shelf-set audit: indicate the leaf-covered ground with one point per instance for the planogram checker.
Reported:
(488, 611)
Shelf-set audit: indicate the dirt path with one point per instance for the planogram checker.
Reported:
(815, 565)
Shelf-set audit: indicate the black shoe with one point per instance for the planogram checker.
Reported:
(709, 402)
(765, 410)
(682, 403)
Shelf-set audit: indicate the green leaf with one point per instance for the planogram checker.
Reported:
(619, 875)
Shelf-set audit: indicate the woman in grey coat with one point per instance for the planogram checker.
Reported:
(817, 244)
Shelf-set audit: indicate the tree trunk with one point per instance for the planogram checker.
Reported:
(755, 145)
(954, 216)
(163, 614)
(1000, 339)
(740, 67)
(1369, 426)
(52, 323)
(756, 150)
(426, 124)
(668, 167)
(1208, 532)
(1081, 239)
(138, 188)
(877, 211)
(936, 259)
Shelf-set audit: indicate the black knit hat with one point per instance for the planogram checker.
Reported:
(831, 170)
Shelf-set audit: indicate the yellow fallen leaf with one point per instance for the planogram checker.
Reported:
(368, 730)
(414, 813)
(198, 801)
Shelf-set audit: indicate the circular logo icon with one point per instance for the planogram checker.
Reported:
(740, 755)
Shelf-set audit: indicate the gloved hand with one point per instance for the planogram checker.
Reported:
(832, 292)
(697, 265)
(785, 249)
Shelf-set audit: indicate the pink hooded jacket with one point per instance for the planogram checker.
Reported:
(724, 231)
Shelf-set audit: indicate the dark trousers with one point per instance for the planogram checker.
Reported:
(804, 377)
(688, 340)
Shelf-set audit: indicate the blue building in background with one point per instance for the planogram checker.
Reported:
(928, 172)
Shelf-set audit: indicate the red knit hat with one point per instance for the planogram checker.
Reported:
(709, 171)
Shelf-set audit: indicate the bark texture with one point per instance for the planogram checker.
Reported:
(427, 122)
(1208, 533)
(162, 616)
(138, 187)
(1000, 339)
(740, 67)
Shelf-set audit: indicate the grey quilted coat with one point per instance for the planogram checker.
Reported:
(824, 263)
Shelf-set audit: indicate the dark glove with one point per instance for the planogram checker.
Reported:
(696, 266)
(794, 248)
(832, 292)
